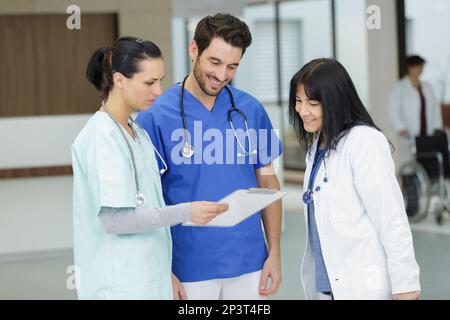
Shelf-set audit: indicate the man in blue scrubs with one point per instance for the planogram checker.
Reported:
(218, 262)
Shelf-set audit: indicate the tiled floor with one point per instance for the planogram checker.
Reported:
(45, 278)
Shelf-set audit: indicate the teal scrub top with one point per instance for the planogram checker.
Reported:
(127, 266)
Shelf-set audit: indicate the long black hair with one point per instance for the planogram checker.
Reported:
(123, 56)
(327, 81)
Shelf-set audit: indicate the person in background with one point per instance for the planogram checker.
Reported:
(414, 109)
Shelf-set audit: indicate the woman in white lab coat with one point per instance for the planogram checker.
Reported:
(413, 107)
(359, 244)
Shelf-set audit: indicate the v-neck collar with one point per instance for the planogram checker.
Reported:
(124, 130)
(217, 106)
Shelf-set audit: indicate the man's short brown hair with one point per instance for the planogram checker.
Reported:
(226, 26)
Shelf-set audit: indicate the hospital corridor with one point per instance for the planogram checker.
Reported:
(238, 150)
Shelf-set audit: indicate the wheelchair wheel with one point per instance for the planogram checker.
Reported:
(416, 190)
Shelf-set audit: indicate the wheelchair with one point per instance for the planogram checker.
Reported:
(425, 177)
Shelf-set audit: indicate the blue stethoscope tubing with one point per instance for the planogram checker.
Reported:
(308, 195)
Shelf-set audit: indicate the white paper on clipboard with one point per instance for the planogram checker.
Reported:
(243, 203)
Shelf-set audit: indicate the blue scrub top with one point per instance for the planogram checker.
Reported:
(213, 172)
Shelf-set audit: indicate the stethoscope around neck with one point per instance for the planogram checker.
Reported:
(187, 151)
(308, 194)
(140, 197)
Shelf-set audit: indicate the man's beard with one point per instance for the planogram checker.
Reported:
(201, 82)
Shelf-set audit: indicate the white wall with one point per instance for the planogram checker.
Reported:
(382, 65)
(351, 43)
(179, 49)
(35, 214)
(38, 141)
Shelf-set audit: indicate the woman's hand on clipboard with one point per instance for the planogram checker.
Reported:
(203, 212)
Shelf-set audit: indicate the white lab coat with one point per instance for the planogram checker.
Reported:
(404, 108)
(361, 220)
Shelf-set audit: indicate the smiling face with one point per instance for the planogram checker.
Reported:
(310, 111)
(216, 66)
(141, 90)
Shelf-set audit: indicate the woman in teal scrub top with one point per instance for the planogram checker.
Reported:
(122, 241)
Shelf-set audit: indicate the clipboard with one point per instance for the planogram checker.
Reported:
(242, 204)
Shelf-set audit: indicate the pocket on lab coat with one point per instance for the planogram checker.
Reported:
(347, 223)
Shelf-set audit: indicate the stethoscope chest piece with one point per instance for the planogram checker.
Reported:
(140, 200)
(187, 150)
(307, 197)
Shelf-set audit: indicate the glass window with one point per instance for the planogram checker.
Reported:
(305, 34)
